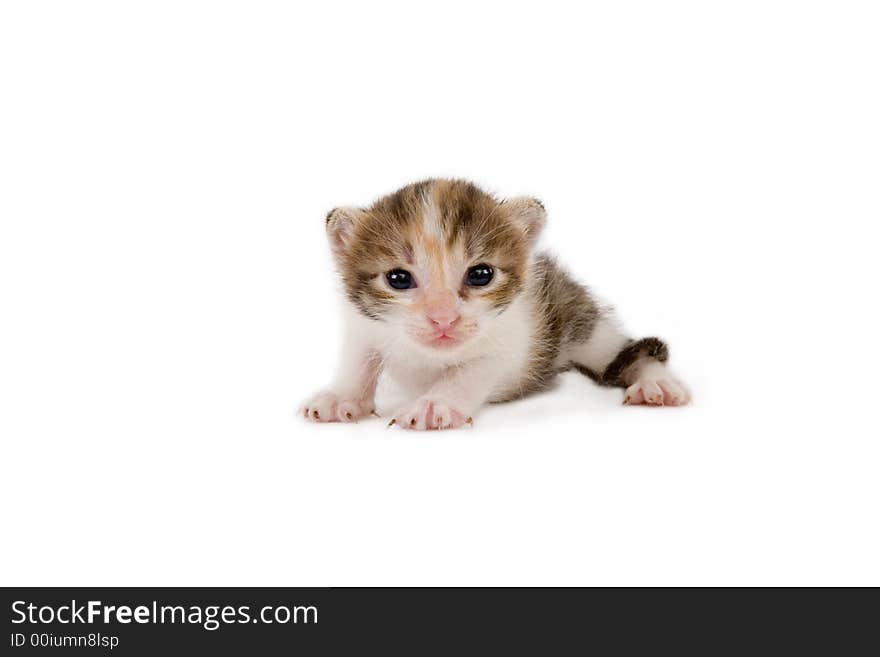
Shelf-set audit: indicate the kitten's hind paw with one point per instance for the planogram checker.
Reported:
(656, 391)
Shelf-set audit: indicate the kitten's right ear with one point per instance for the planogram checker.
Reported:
(340, 225)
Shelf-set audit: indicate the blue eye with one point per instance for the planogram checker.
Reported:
(479, 275)
(400, 279)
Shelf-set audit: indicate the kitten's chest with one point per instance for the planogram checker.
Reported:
(410, 370)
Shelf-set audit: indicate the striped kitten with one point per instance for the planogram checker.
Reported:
(446, 295)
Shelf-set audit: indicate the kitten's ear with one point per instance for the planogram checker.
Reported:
(530, 213)
(340, 225)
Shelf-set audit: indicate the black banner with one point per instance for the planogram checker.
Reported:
(148, 621)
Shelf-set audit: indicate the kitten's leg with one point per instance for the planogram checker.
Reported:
(453, 399)
(610, 357)
(352, 394)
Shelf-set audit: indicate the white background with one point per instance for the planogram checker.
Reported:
(168, 300)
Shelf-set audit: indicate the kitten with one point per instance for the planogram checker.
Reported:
(446, 295)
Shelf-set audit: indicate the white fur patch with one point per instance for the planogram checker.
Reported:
(605, 342)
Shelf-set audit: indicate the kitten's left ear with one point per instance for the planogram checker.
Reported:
(530, 213)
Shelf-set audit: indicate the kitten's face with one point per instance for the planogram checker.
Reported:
(436, 261)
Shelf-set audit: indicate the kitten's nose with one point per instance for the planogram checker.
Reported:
(444, 321)
(441, 308)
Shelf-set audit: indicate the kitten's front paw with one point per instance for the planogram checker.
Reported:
(656, 391)
(432, 413)
(330, 407)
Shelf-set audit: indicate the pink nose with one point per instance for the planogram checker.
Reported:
(444, 321)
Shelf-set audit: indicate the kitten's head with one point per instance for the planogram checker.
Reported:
(437, 261)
